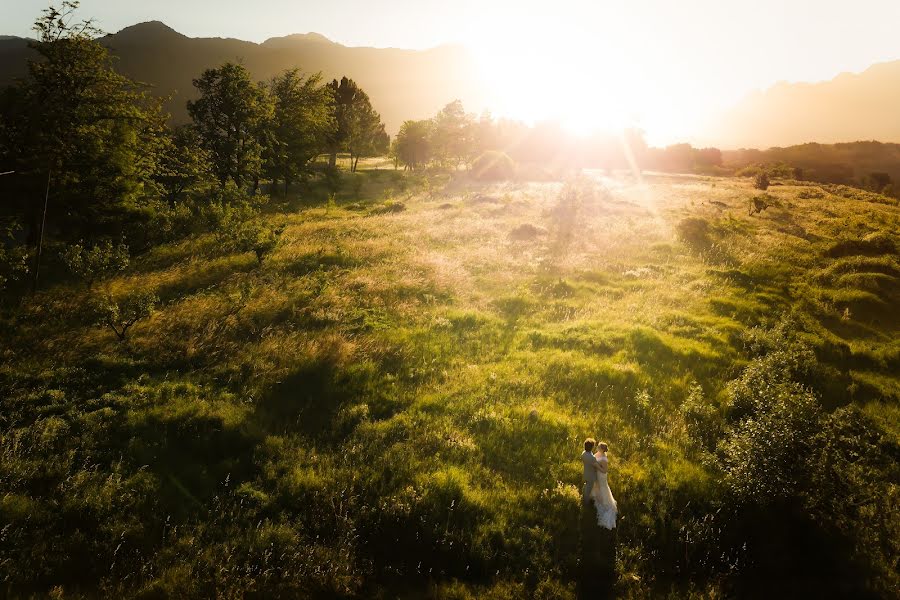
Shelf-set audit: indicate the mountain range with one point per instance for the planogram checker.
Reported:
(403, 84)
(415, 84)
(850, 107)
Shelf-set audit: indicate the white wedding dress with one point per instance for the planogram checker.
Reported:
(606, 506)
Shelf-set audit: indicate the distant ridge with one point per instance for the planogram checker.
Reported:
(295, 38)
(848, 108)
(403, 84)
(147, 31)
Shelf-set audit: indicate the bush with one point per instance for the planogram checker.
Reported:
(761, 181)
(493, 166)
(122, 313)
(694, 232)
(97, 262)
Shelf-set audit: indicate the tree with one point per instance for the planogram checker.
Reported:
(120, 314)
(453, 135)
(357, 126)
(183, 163)
(231, 119)
(90, 264)
(412, 147)
(79, 130)
(302, 120)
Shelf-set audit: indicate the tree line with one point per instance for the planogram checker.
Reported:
(91, 157)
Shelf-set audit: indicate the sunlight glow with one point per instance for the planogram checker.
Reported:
(570, 67)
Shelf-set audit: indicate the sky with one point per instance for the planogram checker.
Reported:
(661, 64)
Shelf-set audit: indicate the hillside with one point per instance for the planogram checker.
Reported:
(850, 107)
(393, 402)
(403, 84)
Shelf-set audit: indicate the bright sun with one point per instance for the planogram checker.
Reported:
(567, 68)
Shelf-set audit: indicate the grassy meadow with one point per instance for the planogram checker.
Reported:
(392, 402)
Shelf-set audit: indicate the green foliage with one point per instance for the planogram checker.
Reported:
(412, 147)
(493, 166)
(761, 181)
(91, 264)
(121, 313)
(301, 121)
(238, 227)
(76, 123)
(231, 118)
(452, 135)
(184, 164)
(358, 127)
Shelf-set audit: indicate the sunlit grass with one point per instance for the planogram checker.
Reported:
(427, 373)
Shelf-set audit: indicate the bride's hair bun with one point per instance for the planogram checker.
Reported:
(603, 446)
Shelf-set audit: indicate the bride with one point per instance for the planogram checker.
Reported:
(606, 506)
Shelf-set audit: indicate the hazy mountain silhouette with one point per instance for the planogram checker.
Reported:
(850, 107)
(403, 84)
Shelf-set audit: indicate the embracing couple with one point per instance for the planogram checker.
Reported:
(596, 486)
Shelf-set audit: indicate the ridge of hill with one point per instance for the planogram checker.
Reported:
(847, 108)
(403, 84)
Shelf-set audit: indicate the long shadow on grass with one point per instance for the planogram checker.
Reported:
(309, 400)
(321, 260)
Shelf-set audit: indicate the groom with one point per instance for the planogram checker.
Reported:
(591, 466)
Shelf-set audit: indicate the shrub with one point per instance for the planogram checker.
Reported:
(122, 313)
(761, 181)
(694, 232)
(760, 203)
(493, 166)
(97, 262)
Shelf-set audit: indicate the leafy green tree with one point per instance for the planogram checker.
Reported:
(453, 135)
(120, 314)
(91, 264)
(302, 120)
(231, 119)
(183, 164)
(412, 147)
(76, 126)
(367, 135)
(357, 126)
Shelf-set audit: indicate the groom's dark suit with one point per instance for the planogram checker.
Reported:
(591, 465)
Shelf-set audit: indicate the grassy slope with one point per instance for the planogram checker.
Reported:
(393, 387)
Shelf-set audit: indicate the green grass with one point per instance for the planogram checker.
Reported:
(393, 402)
